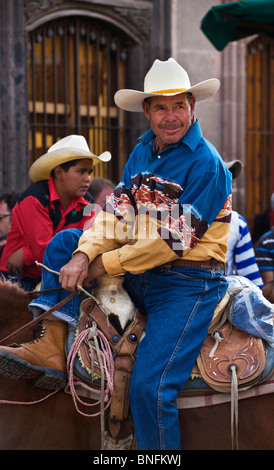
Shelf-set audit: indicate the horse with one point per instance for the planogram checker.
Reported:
(55, 424)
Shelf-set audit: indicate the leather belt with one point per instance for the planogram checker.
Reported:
(212, 264)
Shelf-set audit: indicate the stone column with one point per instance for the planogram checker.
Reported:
(14, 162)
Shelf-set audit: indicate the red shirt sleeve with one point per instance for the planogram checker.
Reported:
(31, 229)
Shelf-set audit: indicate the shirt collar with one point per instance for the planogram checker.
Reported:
(54, 196)
(191, 139)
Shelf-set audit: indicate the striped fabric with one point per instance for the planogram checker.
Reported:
(240, 254)
(265, 251)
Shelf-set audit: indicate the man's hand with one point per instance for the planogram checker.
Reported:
(74, 272)
(79, 272)
(16, 261)
(96, 269)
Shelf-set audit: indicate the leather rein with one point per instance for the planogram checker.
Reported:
(13, 335)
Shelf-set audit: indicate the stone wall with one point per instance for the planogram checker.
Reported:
(222, 117)
(161, 28)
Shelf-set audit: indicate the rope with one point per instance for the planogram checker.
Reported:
(77, 286)
(234, 407)
(8, 402)
(234, 394)
(218, 338)
(105, 359)
(58, 274)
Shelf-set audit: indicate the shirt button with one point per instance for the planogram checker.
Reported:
(159, 156)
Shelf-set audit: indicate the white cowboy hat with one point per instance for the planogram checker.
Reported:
(72, 147)
(235, 167)
(165, 78)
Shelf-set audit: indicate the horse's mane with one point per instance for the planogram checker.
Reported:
(13, 298)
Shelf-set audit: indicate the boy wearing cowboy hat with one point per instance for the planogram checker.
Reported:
(55, 201)
(165, 228)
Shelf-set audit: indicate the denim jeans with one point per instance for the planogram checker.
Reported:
(57, 254)
(179, 303)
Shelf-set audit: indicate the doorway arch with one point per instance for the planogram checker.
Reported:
(76, 64)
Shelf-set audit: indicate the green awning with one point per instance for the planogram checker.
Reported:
(237, 20)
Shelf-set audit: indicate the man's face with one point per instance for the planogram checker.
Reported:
(170, 117)
(5, 221)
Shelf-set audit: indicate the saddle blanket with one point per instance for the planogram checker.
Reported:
(186, 400)
(201, 398)
(197, 393)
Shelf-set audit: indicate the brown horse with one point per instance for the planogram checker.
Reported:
(54, 424)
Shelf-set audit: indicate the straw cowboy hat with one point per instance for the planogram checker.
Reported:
(72, 147)
(235, 167)
(165, 78)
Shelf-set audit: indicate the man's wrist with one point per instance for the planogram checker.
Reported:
(81, 256)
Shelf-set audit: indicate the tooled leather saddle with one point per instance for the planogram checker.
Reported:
(234, 349)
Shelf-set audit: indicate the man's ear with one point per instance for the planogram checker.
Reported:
(146, 109)
(192, 103)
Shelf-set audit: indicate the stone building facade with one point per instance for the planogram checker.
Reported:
(62, 61)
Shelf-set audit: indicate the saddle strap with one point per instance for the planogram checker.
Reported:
(119, 407)
(90, 311)
(44, 291)
(124, 348)
(8, 339)
(125, 344)
(123, 365)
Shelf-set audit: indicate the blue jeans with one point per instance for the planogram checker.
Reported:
(57, 254)
(179, 303)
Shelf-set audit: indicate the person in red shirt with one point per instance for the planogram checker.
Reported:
(54, 202)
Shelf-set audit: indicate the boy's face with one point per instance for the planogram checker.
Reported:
(76, 181)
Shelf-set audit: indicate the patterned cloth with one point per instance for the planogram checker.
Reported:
(170, 203)
(202, 398)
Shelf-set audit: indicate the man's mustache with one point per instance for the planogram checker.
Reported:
(174, 125)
